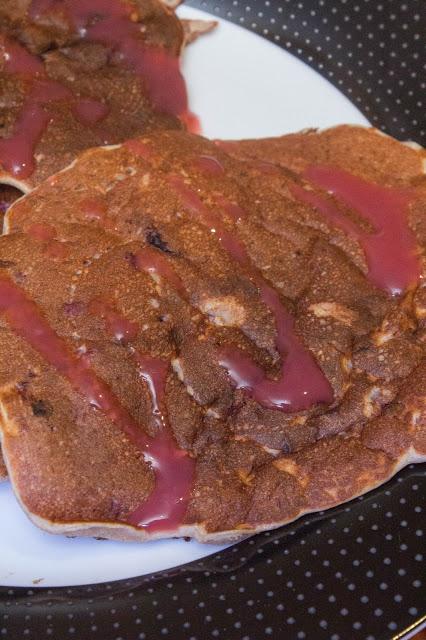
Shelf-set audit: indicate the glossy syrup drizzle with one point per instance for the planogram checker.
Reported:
(391, 249)
(90, 111)
(46, 234)
(208, 165)
(117, 325)
(234, 211)
(154, 263)
(301, 383)
(17, 151)
(95, 210)
(139, 148)
(165, 507)
(109, 22)
(41, 231)
(113, 23)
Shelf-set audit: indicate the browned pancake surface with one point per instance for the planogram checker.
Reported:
(360, 150)
(89, 70)
(53, 28)
(255, 467)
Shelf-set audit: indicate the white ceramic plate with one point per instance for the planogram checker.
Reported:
(241, 86)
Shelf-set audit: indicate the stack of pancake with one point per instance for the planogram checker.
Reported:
(210, 339)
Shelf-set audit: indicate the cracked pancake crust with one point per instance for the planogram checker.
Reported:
(120, 259)
(71, 79)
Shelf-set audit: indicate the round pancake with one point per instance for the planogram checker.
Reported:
(163, 250)
(75, 76)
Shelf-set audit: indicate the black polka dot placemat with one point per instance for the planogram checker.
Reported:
(371, 50)
(356, 572)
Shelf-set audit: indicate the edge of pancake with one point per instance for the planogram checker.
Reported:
(30, 191)
(127, 533)
(7, 180)
(121, 531)
(411, 145)
(189, 30)
(414, 146)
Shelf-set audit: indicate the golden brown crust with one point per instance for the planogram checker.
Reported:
(256, 467)
(52, 29)
(89, 70)
(363, 151)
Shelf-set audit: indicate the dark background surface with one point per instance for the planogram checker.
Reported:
(353, 573)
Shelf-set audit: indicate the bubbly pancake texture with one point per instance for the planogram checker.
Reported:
(198, 339)
(77, 74)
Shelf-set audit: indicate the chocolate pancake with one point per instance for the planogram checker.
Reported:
(362, 151)
(42, 25)
(76, 74)
(194, 344)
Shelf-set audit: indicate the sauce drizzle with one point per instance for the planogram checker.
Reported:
(95, 210)
(46, 235)
(90, 111)
(391, 249)
(152, 262)
(208, 165)
(301, 383)
(108, 22)
(114, 24)
(166, 505)
(41, 232)
(116, 324)
(172, 467)
(17, 151)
